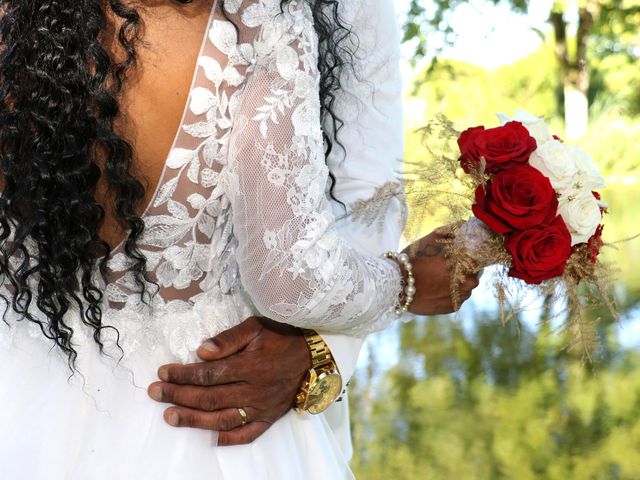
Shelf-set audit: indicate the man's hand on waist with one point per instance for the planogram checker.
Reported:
(255, 368)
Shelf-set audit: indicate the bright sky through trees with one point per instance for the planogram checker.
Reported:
(490, 36)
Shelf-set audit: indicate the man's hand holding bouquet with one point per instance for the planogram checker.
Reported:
(536, 212)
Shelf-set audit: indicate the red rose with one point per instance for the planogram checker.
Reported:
(594, 244)
(516, 199)
(541, 252)
(501, 147)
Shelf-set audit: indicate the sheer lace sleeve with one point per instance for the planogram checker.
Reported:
(368, 164)
(293, 263)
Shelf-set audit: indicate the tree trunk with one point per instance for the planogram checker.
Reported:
(576, 85)
(574, 73)
(576, 104)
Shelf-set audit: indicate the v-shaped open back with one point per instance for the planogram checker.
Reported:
(173, 85)
(188, 207)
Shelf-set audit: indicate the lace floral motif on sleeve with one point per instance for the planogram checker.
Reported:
(294, 265)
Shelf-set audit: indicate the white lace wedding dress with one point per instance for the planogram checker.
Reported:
(240, 223)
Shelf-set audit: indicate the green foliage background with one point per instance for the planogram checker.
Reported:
(469, 398)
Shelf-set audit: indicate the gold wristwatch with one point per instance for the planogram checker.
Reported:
(323, 383)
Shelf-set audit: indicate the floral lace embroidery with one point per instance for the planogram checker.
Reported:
(294, 265)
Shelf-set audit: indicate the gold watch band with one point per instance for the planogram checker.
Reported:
(323, 369)
(320, 353)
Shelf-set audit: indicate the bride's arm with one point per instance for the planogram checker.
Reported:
(294, 263)
(368, 161)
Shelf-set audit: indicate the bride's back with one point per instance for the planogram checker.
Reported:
(156, 90)
(154, 95)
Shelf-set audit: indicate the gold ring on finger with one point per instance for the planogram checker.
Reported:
(243, 416)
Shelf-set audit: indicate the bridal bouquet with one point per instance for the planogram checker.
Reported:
(536, 212)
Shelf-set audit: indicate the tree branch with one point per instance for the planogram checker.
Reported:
(585, 23)
(560, 31)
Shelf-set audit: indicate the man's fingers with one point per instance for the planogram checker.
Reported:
(228, 370)
(230, 341)
(221, 420)
(242, 435)
(207, 399)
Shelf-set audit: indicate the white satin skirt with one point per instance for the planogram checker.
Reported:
(101, 425)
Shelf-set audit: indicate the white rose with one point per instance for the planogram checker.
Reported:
(589, 176)
(582, 216)
(556, 161)
(537, 127)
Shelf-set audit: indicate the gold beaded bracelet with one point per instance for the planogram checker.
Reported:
(409, 290)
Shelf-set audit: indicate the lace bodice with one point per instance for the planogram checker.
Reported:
(240, 222)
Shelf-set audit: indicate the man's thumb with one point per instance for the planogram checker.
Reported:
(230, 341)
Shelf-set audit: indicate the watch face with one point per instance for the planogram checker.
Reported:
(323, 392)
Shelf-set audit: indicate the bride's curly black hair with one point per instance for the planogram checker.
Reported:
(59, 91)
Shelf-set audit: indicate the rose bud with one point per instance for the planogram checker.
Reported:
(541, 252)
(516, 199)
(501, 147)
